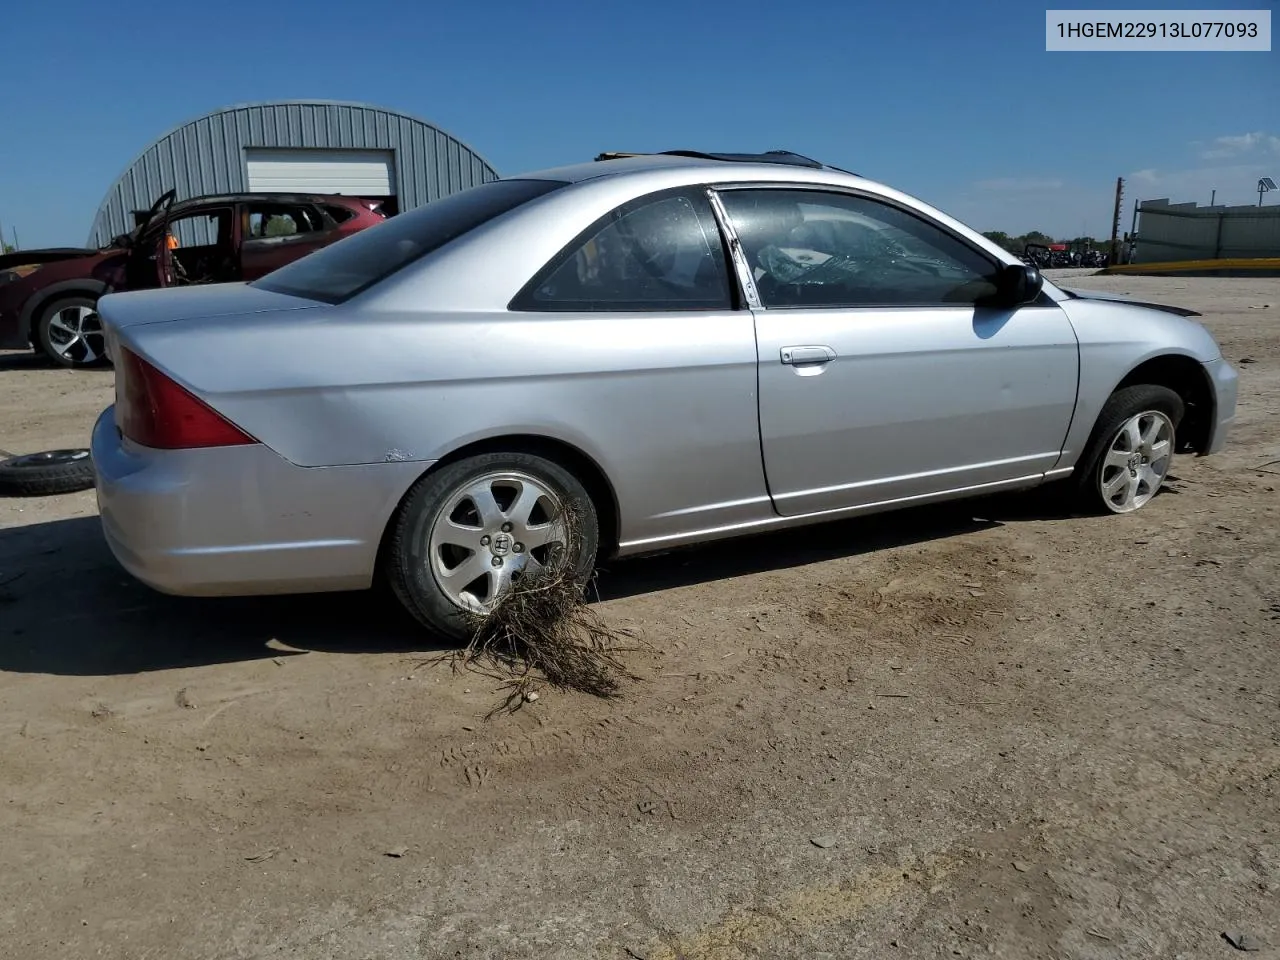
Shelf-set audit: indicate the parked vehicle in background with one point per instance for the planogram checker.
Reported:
(48, 298)
(665, 349)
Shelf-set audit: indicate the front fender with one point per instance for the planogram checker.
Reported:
(81, 286)
(1115, 339)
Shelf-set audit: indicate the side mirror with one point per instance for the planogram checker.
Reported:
(1018, 283)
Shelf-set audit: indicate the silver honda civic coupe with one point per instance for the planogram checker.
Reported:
(667, 349)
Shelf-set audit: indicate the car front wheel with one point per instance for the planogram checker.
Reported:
(470, 530)
(1131, 449)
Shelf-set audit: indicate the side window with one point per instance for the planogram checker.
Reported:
(280, 220)
(812, 249)
(655, 253)
(207, 229)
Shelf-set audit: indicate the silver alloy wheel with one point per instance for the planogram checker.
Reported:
(493, 530)
(1136, 461)
(75, 333)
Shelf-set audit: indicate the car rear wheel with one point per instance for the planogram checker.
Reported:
(1132, 446)
(465, 533)
(69, 332)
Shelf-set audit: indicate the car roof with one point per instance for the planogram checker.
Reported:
(779, 164)
(266, 198)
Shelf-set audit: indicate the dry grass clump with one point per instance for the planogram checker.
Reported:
(544, 627)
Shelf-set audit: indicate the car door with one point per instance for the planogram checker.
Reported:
(146, 265)
(881, 379)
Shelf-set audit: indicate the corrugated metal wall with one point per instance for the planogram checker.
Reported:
(1185, 231)
(206, 156)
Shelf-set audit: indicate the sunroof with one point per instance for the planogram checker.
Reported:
(770, 156)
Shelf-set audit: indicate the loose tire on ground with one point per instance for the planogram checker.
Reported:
(46, 474)
(421, 545)
(1122, 407)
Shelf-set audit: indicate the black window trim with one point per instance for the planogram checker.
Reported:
(831, 188)
(523, 301)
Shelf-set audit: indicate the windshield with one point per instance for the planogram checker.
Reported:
(340, 271)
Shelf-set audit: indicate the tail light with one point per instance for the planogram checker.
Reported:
(153, 410)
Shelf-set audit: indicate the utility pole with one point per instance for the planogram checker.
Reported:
(1115, 222)
(1212, 197)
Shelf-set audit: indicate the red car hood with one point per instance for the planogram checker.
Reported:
(22, 258)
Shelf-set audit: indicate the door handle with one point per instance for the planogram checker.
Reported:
(797, 356)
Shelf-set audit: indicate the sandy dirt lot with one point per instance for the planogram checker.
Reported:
(984, 729)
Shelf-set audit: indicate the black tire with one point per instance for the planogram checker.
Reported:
(84, 352)
(45, 474)
(407, 566)
(1125, 403)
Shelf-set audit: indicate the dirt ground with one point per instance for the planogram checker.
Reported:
(982, 729)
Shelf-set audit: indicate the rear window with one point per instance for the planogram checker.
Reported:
(340, 271)
(339, 214)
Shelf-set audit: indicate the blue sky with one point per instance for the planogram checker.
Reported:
(957, 103)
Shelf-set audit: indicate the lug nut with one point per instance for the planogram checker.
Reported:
(518, 548)
(497, 561)
(506, 528)
(484, 541)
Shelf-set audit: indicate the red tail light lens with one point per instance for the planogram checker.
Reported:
(156, 412)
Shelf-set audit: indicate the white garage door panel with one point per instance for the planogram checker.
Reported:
(359, 173)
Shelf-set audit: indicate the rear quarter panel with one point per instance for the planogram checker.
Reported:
(1115, 338)
(664, 405)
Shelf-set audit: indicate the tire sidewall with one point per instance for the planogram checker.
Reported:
(1125, 403)
(20, 477)
(410, 569)
(43, 342)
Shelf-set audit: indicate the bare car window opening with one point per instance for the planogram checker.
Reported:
(810, 249)
(340, 271)
(280, 220)
(657, 253)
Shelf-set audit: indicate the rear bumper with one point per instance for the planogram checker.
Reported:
(1225, 383)
(229, 521)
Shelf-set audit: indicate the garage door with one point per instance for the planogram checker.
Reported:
(356, 173)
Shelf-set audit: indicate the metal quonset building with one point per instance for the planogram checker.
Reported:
(295, 146)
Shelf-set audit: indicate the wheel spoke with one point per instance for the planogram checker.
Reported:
(481, 494)
(1132, 434)
(1130, 493)
(524, 504)
(541, 534)
(1152, 433)
(1113, 486)
(451, 533)
(499, 582)
(470, 569)
(1117, 458)
(1159, 451)
(56, 322)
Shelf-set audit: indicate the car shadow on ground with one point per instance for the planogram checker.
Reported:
(67, 608)
(24, 360)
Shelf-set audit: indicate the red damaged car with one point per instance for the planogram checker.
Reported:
(48, 298)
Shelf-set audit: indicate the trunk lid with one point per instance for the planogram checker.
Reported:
(176, 304)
